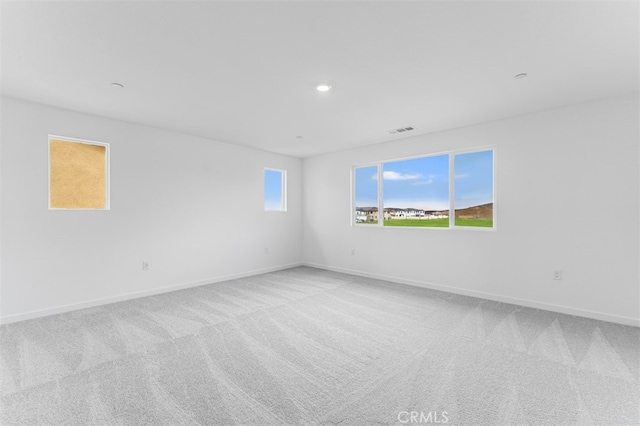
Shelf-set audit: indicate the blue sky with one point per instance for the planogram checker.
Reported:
(367, 186)
(474, 179)
(273, 190)
(424, 182)
(421, 183)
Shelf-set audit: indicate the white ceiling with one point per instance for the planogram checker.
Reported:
(244, 72)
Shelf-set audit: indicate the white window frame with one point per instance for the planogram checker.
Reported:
(107, 160)
(452, 225)
(283, 189)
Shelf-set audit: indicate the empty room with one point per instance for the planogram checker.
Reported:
(323, 213)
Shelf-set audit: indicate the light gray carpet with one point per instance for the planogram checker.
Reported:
(311, 347)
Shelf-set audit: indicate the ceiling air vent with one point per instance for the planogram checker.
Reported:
(400, 130)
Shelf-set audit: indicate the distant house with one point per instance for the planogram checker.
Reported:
(434, 214)
(390, 213)
(414, 213)
(361, 215)
(366, 214)
(370, 214)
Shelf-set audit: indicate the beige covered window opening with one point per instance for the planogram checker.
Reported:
(78, 174)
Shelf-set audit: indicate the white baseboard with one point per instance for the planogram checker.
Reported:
(490, 296)
(456, 290)
(128, 296)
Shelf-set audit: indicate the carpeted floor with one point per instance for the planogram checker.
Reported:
(311, 347)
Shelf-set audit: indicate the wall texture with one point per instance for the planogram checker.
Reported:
(191, 207)
(567, 199)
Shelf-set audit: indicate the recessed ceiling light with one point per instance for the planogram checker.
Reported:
(323, 87)
(298, 137)
(520, 76)
(117, 85)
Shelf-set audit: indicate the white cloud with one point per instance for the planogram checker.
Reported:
(390, 175)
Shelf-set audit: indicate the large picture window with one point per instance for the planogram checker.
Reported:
(427, 191)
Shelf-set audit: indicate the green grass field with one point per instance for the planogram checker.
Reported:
(439, 223)
(432, 223)
(485, 223)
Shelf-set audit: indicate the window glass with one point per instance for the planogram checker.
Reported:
(425, 191)
(274, 190)
(474, 189)
(366, 195)
(416, 192)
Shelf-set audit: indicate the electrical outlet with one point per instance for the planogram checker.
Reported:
(145, 265)
(557, 275)
(353, 252)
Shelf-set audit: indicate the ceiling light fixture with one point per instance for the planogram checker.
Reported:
(117, 85)
(323, 87)
(520, 76)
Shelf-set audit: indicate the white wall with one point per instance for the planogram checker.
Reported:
(191, 207)
(568, 198)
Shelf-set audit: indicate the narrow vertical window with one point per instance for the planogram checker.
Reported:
(275, 190)
(366, 194)
(416, 192)
(78, 174)
(473, 189)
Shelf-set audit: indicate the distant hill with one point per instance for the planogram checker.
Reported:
(483, 211)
